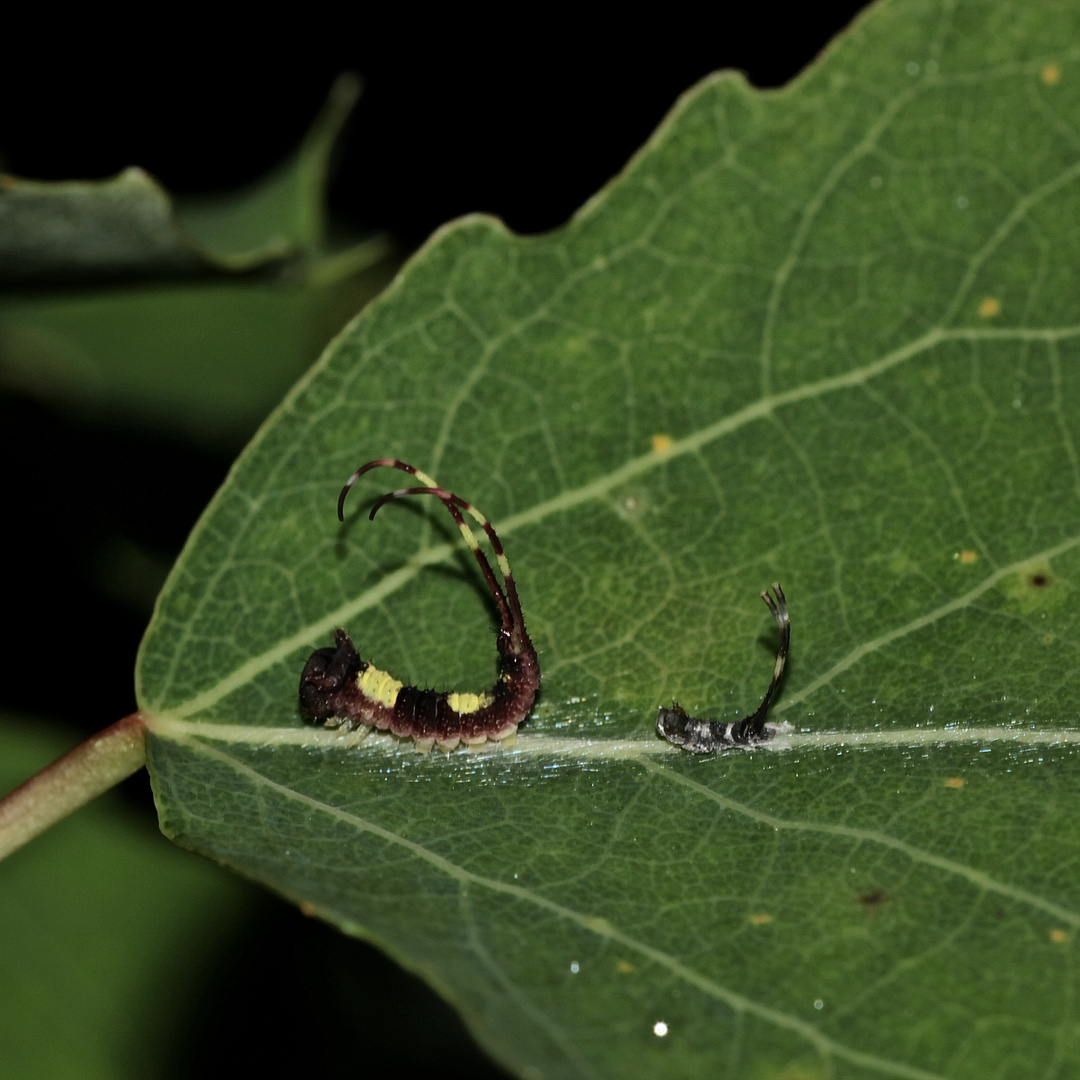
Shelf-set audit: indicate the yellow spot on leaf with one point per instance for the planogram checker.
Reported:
(623, 968)
(955, 782)
(598, 925)
(661, 444)
(1050, 74)
(968, 556)
(378, 686)
(760, 919)
(307, 908)
(1059, 937)
(990, 307)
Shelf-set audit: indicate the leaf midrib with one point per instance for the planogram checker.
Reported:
(586, 748)
(528, 748)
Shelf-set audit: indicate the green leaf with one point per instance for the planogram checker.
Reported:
(127, 226)
(206, 361)
(824, 336)
(98, 230)
(287, 207)
(104, 934)
(207, 358)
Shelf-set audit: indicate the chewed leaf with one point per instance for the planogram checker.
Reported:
(827, 336)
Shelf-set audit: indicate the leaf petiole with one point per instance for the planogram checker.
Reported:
(71, 781)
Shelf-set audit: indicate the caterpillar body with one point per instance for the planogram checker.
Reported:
(698, 736)
(340, 689)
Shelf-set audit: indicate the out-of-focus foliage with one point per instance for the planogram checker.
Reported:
(106, 933)
(193, 317)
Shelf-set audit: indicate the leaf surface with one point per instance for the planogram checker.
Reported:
(826, 336)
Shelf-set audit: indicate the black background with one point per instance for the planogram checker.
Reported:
(519, 114)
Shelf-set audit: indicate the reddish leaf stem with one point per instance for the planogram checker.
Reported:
(72, 781)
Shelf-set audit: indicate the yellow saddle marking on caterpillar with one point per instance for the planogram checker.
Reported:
(468, 703)
(378, 686)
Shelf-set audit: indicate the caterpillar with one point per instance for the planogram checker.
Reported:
(709, 736)
(339, 689)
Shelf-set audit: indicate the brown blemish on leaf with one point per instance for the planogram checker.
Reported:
(761, 919)
(624, 968)
(307, 908)
(954, 782)
(661, 444)
(990, 307)
(1034, 587)
(1051, 74)
(1058, 936)
(967, 556)
(872, 899)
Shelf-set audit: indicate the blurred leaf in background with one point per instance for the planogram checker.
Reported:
(226, 301)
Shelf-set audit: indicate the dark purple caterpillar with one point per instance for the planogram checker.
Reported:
(339, 689)
(708, 736)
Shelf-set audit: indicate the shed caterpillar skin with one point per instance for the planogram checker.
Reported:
(708, 736)
(339, 689)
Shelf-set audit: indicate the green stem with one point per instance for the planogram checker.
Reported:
(72, 781)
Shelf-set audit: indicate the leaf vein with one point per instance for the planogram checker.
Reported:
(871, 836)
(738, 1003)
(306, 636)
